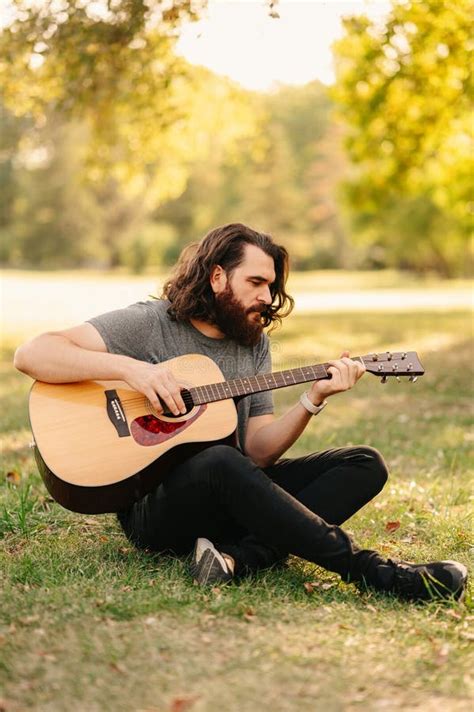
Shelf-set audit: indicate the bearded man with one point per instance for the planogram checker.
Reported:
(237, 509)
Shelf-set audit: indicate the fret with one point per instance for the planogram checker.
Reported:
(195, 395)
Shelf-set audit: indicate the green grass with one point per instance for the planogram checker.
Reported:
(89, 623)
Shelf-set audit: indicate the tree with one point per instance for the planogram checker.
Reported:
(137, 116)
(109, 66)
(403, 90)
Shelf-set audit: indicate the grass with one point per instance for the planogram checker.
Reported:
(88, 623)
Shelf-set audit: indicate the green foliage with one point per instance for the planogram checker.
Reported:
(282, 180)
(110, 66)
(102, 121)
(114, 151)
(404, 90)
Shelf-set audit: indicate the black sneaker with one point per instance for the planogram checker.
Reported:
(208, 566)
(423, 582)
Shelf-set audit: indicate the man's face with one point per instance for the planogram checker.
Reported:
(242, 297)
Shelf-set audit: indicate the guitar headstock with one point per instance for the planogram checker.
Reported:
(386, 364)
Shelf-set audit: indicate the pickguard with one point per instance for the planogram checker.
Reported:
(150, 430)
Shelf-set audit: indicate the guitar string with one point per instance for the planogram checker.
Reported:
(189, 401)
(187, 397)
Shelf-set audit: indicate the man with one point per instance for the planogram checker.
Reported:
(237, 509)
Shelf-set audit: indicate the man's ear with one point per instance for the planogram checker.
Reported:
(218, 279)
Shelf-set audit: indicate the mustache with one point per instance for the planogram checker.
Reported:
(260, 308)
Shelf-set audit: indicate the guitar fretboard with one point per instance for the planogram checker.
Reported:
(255, 384)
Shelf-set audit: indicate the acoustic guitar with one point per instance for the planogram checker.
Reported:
(100, 445)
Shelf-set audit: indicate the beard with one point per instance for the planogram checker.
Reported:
(234, 320)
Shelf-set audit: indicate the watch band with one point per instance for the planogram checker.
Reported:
(310, 407)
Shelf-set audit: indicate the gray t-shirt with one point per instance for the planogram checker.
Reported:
(145, 331)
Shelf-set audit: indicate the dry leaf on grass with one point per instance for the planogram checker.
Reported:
(13, 477)
(249, 614)
(392, 526)
(180, 704)
(118, 667)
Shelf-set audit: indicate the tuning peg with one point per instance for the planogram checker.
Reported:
(413, 379)
(398, 378)
(383, 379)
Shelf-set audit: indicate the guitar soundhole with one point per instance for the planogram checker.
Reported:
(150, 430)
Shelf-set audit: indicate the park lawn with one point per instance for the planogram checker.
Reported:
(88, 623)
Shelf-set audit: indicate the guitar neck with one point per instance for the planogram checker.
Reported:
(239, 387)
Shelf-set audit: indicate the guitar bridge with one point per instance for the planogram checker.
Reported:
(116, 414)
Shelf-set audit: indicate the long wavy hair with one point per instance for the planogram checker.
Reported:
(189, 289)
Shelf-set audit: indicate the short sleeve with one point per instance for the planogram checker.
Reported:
(262, 403)
(129, 332)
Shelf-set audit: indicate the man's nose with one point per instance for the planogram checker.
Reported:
(265, 295)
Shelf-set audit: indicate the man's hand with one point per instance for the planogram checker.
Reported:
(152, 380)
(345, 374)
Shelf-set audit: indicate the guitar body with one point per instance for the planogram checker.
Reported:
(100, 447)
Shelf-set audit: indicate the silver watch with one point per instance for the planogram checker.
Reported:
(310, 407)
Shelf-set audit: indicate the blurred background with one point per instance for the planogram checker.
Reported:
(131, 127)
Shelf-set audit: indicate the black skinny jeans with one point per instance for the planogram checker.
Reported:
(259, 516)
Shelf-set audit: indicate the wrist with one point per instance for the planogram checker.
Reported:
(310, 406)
(124, 366)
(315, 398)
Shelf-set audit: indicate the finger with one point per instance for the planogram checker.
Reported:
(166, 396)
(337, 368)
(345, 354)
(345, 367)
(352, 369)
(336, 376)
(153, 398)
(343, 376)
(337, 382)
(175, 393)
